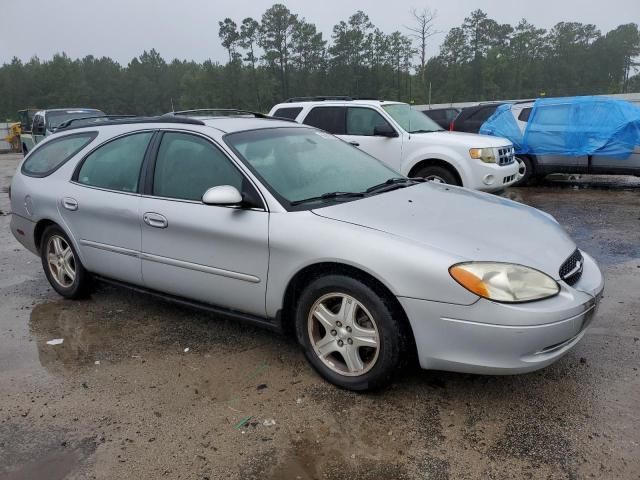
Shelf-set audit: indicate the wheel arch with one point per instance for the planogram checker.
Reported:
(435, 162)
(310, 272)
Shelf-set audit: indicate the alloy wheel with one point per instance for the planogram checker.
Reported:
(61, 261)
(343, 334)
(522, 169)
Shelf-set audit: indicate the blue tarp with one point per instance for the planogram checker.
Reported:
(571, 126)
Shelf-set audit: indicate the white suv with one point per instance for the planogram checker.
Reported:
(409, 141)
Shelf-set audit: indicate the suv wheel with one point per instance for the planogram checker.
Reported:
(437, 174)
(62, 265)
(348, 333)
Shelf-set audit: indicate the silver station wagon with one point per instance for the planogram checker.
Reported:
(286, 226)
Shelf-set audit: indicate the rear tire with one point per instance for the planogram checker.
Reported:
(437, 174)
(349, 333)
(62, 265)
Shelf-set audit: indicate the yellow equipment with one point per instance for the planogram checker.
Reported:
(14, 137)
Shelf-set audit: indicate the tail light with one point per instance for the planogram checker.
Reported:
(451, 129)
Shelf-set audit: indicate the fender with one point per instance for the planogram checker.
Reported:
(437, 152)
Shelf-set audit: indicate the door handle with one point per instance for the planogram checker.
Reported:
(155, 220)
(70, 203)
(355, 144)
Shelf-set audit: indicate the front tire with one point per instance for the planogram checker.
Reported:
(437, 174)
(62, 266)
(525, 171)
(349, 333)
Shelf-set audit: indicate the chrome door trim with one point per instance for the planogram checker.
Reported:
(199, 268)
(245, 277)
(109, 248)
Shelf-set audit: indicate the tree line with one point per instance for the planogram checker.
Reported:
(283, 55)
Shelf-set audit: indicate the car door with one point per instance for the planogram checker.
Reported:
(101, 206)
(214, 254)
(361, 123)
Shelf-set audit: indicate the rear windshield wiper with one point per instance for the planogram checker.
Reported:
(328, 196)
(393, 183)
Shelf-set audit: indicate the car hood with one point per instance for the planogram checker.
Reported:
(472, 140)
(464, 223)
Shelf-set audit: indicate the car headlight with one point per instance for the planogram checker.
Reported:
(484, 154)
(504, 282)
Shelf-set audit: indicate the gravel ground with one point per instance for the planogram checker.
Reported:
(122, 397)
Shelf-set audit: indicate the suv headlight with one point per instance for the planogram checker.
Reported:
(485, 154)
(504, 282)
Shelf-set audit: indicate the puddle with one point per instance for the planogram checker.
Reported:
(54, 466)
(116, 324)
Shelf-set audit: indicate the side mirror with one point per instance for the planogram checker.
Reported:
(384, 130)
(222, 195)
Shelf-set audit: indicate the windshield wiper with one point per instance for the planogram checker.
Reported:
(328, 196)
(393, 183)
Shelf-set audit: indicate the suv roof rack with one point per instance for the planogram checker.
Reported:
(222, 112)
(323, 98)
(123, 120)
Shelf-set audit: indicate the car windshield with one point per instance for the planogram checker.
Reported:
(301, 164)
(412, 121)
(54, 119)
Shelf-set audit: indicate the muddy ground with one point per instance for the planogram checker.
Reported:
(122, 397)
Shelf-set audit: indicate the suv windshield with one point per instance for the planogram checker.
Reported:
(304, 164)
(412, 121)
(54, 119)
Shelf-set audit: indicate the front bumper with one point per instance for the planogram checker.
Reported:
(496, 338)
(491, 177)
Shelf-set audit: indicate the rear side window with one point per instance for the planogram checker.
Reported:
(288, 112)
(187, 166)
(116, 165)
(50, 156)
(524, 115)
(329, 119)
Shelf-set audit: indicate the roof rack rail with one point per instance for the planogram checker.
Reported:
(222, 112)
(123, 120)
(344, 98)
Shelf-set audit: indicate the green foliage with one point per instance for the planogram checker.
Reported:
(283, 55)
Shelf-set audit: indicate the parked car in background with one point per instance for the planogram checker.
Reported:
(367, 267)
(409, 141)
(442, 116)
(470, 119)
(36, 125)
(532, 166)
(537, 166)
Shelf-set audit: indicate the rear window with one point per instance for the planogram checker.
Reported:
(288, 112)
(50, 156)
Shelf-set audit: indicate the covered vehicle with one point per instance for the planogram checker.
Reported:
(570, 135)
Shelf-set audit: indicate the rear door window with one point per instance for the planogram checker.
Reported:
(116, 165)
(288, 112)
(329, 119)
(50, 156)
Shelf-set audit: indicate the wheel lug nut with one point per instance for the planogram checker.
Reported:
(334, 333)
(349, 341)
(338, 324)
(340, 343)
(349, 329)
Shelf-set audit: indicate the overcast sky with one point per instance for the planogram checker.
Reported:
(188, 29)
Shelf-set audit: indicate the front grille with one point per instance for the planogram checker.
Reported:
(571, 269)
(505, 156)
(508, 179)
